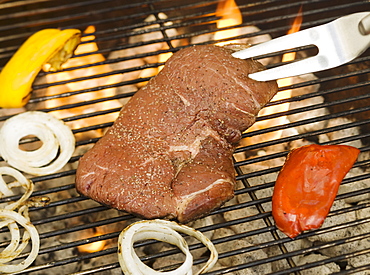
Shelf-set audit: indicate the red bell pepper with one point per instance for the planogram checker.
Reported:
(308, 184)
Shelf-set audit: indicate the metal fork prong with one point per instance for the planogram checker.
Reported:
(341, 40)
(282, 43)
(311, 64)
(338, 42)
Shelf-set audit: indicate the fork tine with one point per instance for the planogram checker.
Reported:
(290, 41)
(344, 40)
(308, 65)
(338, 42)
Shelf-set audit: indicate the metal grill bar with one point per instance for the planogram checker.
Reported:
(71, 221)
(69, 6)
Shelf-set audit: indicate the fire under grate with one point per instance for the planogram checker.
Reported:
(125, 44)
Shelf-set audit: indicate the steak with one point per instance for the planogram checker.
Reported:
(169, 152)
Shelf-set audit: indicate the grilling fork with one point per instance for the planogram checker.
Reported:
(338, 42)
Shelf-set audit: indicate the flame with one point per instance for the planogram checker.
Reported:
(291, 56)
(160, 58)
(279, 96)
(230, 16)
(289, 80)
(88, 51)
(87, 47)
(283, 83)
(92, 247)
(285, 94)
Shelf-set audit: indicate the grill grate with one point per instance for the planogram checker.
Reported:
(332, 107)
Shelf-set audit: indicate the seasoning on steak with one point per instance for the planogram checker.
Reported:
(169, 153)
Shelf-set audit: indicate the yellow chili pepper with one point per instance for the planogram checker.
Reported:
(52, 46)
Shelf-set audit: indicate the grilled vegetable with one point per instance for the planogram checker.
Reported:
(14, 216)
(307, 185)
(50, 46)
(165, 231)
(58, 143)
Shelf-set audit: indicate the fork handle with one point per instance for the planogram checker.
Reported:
(364, 25)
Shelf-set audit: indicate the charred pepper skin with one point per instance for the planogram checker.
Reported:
(308, 184)
(52, 46)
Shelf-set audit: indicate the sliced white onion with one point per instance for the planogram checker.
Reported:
(11, 219)
(164, 231)
(58, 143)
(20, 181)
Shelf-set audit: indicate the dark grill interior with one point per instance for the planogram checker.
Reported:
(330, 107)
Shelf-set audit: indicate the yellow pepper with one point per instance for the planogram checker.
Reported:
(52, 46)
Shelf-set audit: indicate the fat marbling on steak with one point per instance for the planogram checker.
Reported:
(169, 153)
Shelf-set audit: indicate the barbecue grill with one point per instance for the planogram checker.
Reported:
(129, 43)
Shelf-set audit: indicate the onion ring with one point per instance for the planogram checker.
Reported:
(54, 135)
(11, 219)
(5, 189)
(164, 231)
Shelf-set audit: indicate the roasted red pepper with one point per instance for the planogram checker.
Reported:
(307, 185)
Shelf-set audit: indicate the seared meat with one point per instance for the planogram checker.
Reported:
(169, 153)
